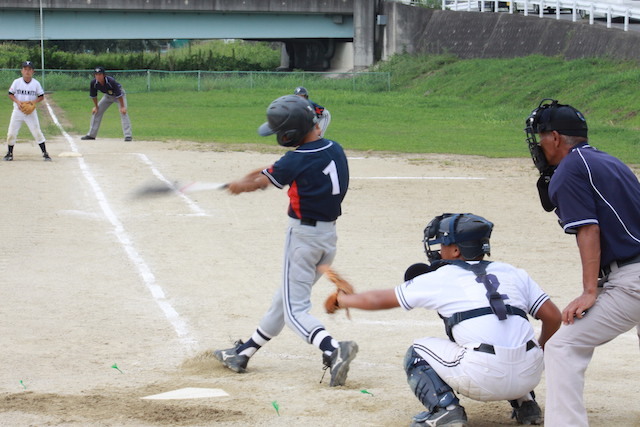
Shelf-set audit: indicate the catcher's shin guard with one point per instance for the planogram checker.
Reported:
(426, 384)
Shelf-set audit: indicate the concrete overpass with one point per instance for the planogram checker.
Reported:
(317, 34)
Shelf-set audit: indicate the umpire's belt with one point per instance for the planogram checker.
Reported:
(621, 263)
(488, 348)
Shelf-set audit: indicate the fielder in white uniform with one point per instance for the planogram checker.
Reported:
(25, 88)
(492, 353)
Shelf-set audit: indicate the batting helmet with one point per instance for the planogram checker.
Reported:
(291, 118)
(550, 116)
(301, 91)
(469, 232)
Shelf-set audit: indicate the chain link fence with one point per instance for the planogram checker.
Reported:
(136, 81)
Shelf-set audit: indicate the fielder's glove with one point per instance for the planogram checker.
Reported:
(27, 107)
(331, 303)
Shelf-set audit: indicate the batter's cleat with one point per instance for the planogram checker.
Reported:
(231, 359)
(87, 138)
(339, 362)
(8, 157)
(529, 413)
(46, 157)
(128, 138)
(455, 417)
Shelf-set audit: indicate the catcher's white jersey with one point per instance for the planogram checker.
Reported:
(451, 289)
(24, 91)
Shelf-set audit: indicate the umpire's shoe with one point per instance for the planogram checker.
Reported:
(528, 413)
(454, 417)
(8, 157)
(339, 361)
(231, 359)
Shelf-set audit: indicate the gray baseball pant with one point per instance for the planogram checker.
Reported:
(569, 351)
(103, 104)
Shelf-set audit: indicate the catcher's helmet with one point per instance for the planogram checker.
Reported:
(290, 117)
(550, 116)
(469, 232)
(301, 91)
(28, 64)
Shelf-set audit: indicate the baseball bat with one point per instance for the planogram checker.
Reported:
(165, 188)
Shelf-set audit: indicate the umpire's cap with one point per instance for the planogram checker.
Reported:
(291, 118)
(98, 70)
(564, 119)
(301, 91)
(28, 64)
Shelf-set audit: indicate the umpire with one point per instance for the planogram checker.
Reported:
(597, 198)
(113, 92)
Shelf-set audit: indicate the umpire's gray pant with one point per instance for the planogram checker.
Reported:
(105, 103)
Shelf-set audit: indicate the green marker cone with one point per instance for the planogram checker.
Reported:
(363, 391)
(276, 407)
(115, 366)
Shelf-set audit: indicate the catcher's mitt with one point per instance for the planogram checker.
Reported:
(27, 107)
(331, 303)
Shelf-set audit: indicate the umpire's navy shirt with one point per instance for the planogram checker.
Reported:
(318, 177)
(592, 187)
(110, 87)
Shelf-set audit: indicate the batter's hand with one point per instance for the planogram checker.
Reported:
(578, 308)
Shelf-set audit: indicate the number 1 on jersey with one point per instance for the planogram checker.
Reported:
(332, 171)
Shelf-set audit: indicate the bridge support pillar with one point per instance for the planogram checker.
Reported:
(364, 29)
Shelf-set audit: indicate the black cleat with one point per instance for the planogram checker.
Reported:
(8, 157)
(231, 359)
(87, 138)
(46, 157)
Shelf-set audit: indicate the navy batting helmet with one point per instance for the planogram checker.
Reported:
(290, 117)
(469, 232)
(301, 91)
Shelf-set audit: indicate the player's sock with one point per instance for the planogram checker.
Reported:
(42, 147)
(10, 148)
(321, 339)
(257, 340)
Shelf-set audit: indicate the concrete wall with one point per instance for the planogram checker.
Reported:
(500, 35)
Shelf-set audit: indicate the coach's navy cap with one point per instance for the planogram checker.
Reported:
(27, 64)
(98, 70)
(564, 119)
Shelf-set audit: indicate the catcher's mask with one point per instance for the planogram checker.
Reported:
(550, 116)
(469, 232)
(291, 118)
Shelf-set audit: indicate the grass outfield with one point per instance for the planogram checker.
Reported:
(439, 105)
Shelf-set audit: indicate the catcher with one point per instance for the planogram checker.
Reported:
(491, 353)
(25, 92)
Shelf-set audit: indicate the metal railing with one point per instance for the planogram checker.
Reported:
(624, 9)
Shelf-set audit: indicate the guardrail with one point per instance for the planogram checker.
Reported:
(579, 9)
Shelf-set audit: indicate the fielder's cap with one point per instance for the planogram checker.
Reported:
(300, 90)
(98, 70)
(27, 64)
(564, 119)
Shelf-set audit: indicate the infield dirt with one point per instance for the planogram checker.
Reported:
(105, 299)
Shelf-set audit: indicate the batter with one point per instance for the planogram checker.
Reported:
(317, 175)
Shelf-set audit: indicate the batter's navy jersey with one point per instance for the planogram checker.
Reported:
(592, 187)
(318, 177)
(110, 87)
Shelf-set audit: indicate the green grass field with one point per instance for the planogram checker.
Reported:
(437, 105)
